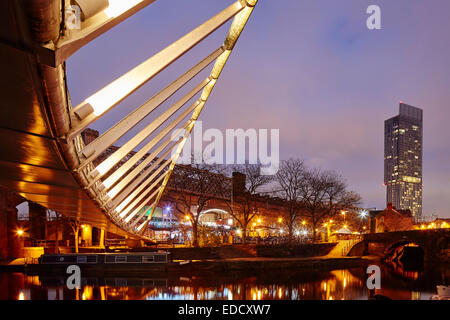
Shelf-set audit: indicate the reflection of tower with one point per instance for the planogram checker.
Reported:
(403, 153)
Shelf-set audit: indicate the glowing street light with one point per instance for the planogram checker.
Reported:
(20, 232)
(363, 214)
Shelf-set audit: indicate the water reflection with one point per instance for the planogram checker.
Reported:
(346, 284)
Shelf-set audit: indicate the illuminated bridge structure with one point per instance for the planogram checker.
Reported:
(435, 243)
(44, 158)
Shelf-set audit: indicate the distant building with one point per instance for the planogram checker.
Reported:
(403, 153)
(391, 219)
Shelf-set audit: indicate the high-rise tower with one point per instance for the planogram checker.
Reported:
(403, 153)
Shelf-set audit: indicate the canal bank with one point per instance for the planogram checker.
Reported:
(188, 267)
(259, 264)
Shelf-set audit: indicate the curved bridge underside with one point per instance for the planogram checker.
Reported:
(43, 157)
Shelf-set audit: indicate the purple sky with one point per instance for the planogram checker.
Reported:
(311, 69)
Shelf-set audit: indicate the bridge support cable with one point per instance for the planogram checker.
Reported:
(139, 207)
(92, 108)
(99, 145)
(125, 149)
(137, 156)
(125, 167)
(130, 192)
(121, 181)
(124, 212)
(235, 31)
(141, 167)
(139, 218)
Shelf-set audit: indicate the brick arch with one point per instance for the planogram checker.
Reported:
(390, 248)
(435, 243)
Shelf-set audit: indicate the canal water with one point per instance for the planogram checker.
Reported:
(345, 284)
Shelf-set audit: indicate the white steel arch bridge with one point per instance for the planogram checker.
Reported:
(44, 158)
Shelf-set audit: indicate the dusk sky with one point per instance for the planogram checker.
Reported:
(308, 67)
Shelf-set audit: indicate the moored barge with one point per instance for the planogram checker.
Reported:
(107, 263)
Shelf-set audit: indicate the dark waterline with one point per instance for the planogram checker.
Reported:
(344, 284)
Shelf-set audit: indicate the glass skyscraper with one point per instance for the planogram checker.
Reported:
(403, 153)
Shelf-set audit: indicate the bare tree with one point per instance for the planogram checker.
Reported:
(196, 186)
(323, 195)
(245, 203)
(290, 179)
(75, 224)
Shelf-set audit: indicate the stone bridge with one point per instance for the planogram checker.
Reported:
(435, 243)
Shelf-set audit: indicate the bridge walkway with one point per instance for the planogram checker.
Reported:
(342, 248)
